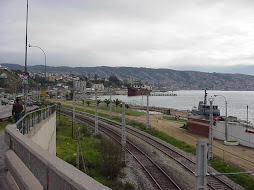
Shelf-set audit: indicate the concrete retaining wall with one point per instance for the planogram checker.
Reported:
(44, 134)
(50, 171)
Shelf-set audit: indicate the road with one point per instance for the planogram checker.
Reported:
(6, 110)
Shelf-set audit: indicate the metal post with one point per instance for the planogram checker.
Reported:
(84, 101)
(123, 134)
(147, 116)
(73, 110)
(45, 58)
(85, 97)
(247, 114)
(25, 85)
(226, 121)
(210, 152)
(110, 103)
(96, 113)
(56, 97)
(78, 141)
(201, 165)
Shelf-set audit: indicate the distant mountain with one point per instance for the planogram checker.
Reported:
(161, 78)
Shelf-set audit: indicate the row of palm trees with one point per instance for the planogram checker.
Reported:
(117, 102)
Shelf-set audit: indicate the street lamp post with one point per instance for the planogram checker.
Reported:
(25, 85)
(44, 56)
(226, 120)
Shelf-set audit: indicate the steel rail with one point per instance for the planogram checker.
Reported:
(162, 184)
(213, 182)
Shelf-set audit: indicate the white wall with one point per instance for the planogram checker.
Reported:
(44, 134)
(235, 132)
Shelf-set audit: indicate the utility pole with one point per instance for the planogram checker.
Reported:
(73, 110)
(147, 116)
(247, 114)
(39, 95)
(226, 121)
(201, 165)
(96, 113)
(123, 134)
(26, 73)
(78, 141)
(110, 102)
(85, 97)
(84, 101)
(56, 96)
(210, 152)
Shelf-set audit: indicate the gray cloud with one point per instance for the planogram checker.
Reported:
(148, 33)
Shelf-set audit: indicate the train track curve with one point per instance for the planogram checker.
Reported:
(213, 182)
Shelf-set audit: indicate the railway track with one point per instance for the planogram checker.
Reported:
(213, 182)
(156, 173)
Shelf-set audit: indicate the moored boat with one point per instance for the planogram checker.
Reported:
(204, 108)
(137, 90)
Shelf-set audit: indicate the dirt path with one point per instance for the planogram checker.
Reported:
(236, 155)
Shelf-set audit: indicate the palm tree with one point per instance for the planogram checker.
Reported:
(98, 102)
(117, 102)
(107, 102)
(88, 103)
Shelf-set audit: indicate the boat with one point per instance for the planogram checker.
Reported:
(138, 90)
(204, 108)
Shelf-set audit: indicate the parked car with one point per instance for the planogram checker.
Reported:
(29, 102)
(11, 102)
(4, 102)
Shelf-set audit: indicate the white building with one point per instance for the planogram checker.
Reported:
(99, 87)
(80, 85)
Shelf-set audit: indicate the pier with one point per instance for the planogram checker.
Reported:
(163, 94)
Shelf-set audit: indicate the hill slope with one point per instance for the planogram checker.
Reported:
(171, 79)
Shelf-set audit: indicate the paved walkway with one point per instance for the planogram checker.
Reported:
(3, 171)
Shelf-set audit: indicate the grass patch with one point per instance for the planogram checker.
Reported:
(173, 119)
(127, 111)
(177, 143)
(3, 124)
(244, 180)
(98, 162)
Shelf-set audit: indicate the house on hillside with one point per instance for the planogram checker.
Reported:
(3, 76)
(3, 67)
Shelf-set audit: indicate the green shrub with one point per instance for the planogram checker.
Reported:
(244, 180)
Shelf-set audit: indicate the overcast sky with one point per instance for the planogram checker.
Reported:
(181, 34)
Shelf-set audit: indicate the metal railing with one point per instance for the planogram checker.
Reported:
(34, 117)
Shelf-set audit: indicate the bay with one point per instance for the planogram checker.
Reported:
(186, 99)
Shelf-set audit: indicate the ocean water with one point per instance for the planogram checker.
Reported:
(237, 101)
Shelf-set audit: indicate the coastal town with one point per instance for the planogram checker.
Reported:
(231, 138)
(126, 95)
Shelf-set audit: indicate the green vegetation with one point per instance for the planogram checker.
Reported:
(173, 119)
(127, 111)
(3, 124)
(177, 143)
(118, 110)
(102, 158)
(244, 180)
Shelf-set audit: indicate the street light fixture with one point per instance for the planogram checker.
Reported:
(226, 120)
(44, 55)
